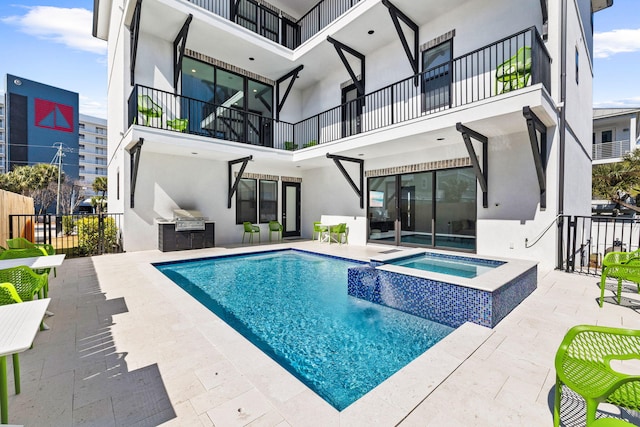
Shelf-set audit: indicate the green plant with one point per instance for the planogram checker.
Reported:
(290, 145)
(68, 224)
(96, 234)
(310, 143)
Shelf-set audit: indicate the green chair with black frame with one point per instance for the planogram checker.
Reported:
(515, 72)
(9, 295)
(591, 361)
(30, 253)
(149, 109)
(250, 229)
(275, 227)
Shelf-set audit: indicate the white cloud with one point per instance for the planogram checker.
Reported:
(92, 107)
(616, 41)
(633, 102)
(69, 26)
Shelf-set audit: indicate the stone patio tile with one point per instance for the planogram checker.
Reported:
(99, 412)
(241, 410)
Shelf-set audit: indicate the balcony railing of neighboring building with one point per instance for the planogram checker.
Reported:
(478, 75)
(610, 150)
(271, 23)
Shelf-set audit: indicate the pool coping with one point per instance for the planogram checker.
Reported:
(489, 281)
(389, 402)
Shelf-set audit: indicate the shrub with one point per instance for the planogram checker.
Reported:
(68, 224)
(90, 234)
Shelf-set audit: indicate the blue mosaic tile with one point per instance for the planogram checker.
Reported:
(442, 302)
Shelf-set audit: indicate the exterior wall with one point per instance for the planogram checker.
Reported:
(3, 145)
(42, 116)
(511, 223)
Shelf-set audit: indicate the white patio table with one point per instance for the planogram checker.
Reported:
(20, 323)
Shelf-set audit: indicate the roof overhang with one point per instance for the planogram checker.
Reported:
(598, 5)
(101, 18)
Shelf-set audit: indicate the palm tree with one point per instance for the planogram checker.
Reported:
(99, 186)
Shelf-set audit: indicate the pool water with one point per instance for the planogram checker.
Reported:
(294, 306)
(458, 266)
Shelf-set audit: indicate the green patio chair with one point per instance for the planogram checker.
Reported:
(148, 109)
(626, 269)
(178, 124)
(340, 233)
(27, 282)
(275, 227)
(251, 230)
(9, 295)
(22, 243)
(319, 229)
(583, 363)
(611, 422)
(515, 72)
(29, 253)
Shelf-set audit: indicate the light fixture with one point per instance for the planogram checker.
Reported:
(193, 70)
(251, 58)
(361, 155)
(255, 90)
(440, 139)
(193, 152)
(370, 32)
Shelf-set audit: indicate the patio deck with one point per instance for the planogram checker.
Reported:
(128, 348)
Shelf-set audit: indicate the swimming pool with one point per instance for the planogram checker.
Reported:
(458, 266)
(294, 306)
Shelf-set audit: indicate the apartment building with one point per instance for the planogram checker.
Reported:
(2, 135)
(616, 132)
(92, 150)
(459, 125)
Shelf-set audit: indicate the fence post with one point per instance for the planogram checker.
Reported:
(100, 233)
(560, 233)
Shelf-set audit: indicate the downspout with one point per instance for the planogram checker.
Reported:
(563, 126)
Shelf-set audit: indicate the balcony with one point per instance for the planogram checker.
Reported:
(505, 66)
(610, 150)
(272, 24)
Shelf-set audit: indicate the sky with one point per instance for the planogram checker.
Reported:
(49, 41)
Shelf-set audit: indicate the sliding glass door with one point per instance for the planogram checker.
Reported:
(434, 209)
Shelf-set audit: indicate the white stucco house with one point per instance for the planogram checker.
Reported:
(459, 124)
(616, 132)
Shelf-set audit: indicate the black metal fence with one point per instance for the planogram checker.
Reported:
(512, 63)
(585, 240)
(74, 235)
(270, 23)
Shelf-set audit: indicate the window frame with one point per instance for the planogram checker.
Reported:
(252, 201)
(263, 203)
(423, 78)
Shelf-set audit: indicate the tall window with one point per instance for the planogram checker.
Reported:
(436, 79)
(226, 105)
(246, 201)
(268, 201)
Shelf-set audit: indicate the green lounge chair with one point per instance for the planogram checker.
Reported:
(251, 230)
(583, 363)
(275, 227)
(178, 124)
(148, 109)
(515, 72)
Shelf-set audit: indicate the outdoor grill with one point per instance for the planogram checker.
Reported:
(188, 220)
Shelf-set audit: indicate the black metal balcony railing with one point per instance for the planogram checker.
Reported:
(507, 65)
(270, 22)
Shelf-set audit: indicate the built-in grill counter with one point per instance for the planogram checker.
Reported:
(187, 230)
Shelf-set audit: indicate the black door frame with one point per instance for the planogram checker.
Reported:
(297, 186)
(347, 111)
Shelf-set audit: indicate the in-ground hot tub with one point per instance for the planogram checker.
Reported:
(498, 285)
